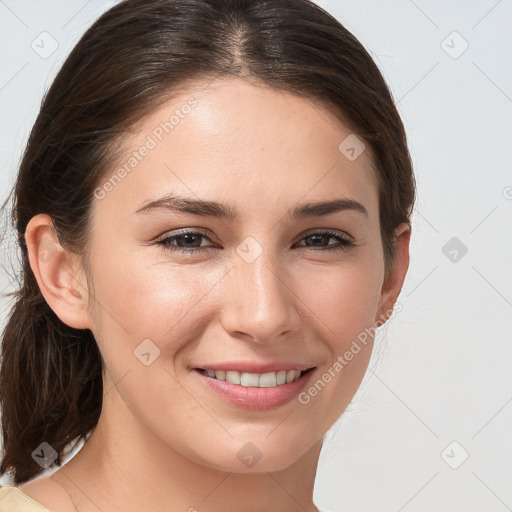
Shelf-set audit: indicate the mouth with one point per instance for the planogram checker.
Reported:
(258, 380)
(255, 391)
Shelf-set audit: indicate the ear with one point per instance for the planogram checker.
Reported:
(394, 280)
(58, 273)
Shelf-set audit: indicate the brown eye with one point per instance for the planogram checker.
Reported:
(323, 237)
(186, 242)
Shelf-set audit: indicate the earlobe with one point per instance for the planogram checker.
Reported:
(57, 273)
(394, 280)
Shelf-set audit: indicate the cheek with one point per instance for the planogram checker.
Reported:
(343, 297)
(345, 300)
(151, 298)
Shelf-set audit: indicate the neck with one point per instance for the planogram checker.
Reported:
(124, 466)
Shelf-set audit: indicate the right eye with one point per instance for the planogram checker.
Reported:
(184, 242)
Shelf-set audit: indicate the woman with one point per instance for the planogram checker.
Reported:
(214, 214)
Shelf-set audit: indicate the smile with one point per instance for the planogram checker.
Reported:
(258, 380)
(256, 391)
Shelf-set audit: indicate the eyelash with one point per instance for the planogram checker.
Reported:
(346, 244)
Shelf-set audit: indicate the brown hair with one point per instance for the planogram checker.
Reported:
(126, 64)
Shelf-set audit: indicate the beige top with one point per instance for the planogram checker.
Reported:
(13, 499)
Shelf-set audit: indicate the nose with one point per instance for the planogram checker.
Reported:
(259, 301)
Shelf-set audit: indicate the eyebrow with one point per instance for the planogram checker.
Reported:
(223, 211)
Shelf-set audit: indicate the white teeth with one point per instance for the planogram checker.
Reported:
(268, 380)
(290, 375)
(262, 380)
(250, 379)
(233, 377)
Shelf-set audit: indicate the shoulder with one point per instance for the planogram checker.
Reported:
(14, 499)
(41, 495)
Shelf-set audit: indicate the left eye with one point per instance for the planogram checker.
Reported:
(344, 243)
(190, 242)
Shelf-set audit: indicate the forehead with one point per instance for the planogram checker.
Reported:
(230, 140)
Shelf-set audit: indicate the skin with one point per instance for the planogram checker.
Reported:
(164, 441)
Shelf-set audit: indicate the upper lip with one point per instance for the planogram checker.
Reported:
(254, 367)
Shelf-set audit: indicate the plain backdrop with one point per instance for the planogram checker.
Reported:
(429, 428)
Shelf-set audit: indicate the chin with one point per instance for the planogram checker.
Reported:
(253, 457)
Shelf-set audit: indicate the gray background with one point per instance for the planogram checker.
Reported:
(429, 428)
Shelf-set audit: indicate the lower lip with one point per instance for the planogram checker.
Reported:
(261, 399)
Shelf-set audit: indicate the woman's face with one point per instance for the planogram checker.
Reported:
(256, 285)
